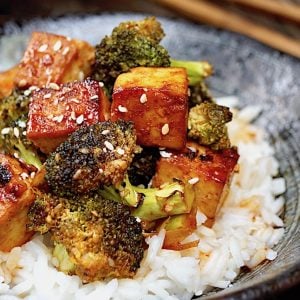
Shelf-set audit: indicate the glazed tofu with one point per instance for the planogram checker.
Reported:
(51, 58)
(16, 196)
(155, 99)
(7, 81)
(55, 113)
(209, 172)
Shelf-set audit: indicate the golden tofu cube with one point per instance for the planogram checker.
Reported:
(7, 79)
(156, 100)
(208, 171)
(16, 196)
(51, 58)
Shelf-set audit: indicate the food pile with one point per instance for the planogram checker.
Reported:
(106, 147)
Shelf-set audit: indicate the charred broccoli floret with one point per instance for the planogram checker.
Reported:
(142, 168)
(207, 124)
(13, 107)
(94, 238)
(131, 44)
(92, 156)
(13, 142)
(199, 93)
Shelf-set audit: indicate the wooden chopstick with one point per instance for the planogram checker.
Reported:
(286, 11)
(205, 12)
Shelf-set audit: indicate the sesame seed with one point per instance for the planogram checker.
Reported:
(73, 115)
(21, 124)
(77, 174)
(192, 149)
(24, 133)
(27, 92)
(193, 180)
(33, 88)
(143, 98)
(53, 85)
(106, 131)
(57, 45)
(22, 82)
(65, 51)
(165, 154)
(83, 150)
(43, 48)
(80, 75)
(101, 170)
(104, 150)
(165, 129)
(122, 109)
(145, 89)
(24, 175)
(68, 38)
(58, 118)
(109, 145)
(16, 155)
(189, 92)
(5, 130)
(94, 97)
(101, 84)
(47, 96)
(16, 132)
(32, 174)
(121, 151)
(79, 119)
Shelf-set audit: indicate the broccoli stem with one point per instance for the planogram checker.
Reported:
(196, 70)
(28, 156)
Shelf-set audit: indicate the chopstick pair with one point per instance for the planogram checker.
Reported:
(206, 12)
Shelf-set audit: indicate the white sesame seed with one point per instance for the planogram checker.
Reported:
(94, 97)
(24, 175)
(84, 150)
(21, 124)
(145, 89)
(47, 96)
(101, 84)
(165, 154)
(143, 98)
(16, 155)
(80, 75)
(192, 149)
(27, 92)
(22, 82)
(79, 119)
(101, 170)
(33, 88)
(165, 129)
(73, 115)
(122, 109)
(16, 132)
(43, 48)
(68, 38)
(53, 85)
(77, 174)
(58, 118)
(109, 145)
(104, 150)
(32, 174)
(24, 133)
(105, 131)
(65, 51)
(121, 151)
(5, 130)
(189, 92)
(57, 45)
(193, 180)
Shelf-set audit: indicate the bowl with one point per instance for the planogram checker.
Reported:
(243, 67)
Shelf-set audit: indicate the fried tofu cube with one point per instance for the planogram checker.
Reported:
(55, 113)
(16, 196)
(156, 100)
(54, 58)
(208, 171)
(7, 81)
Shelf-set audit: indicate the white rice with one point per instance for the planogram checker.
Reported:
(245, 231)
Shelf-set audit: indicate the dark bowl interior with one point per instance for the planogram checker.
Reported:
(254, 73)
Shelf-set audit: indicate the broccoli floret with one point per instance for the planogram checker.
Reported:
(13, 107)
(207, 124)
(199, 93)
(150, 204)
(142, 168)
(197, 71)
(131, 44)
(13, 142)
(92, 156)
(95, 238)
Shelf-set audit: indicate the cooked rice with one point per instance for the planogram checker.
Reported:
(247, 228)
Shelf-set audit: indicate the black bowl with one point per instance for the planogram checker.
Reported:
(254, 73)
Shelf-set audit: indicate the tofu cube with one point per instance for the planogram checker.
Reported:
(156, 100)
(55, 113)
(208, 171)
(16, 196)
(7, 81)
(54, 58)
